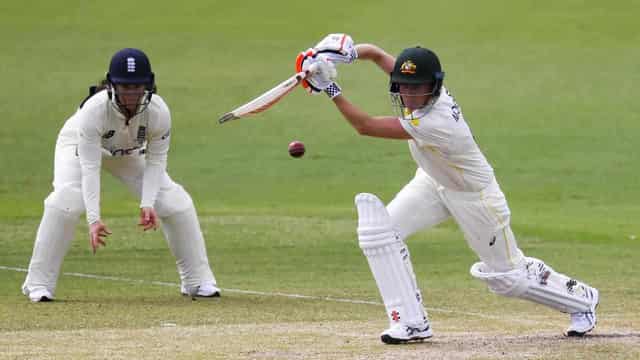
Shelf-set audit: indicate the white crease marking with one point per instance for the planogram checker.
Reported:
(286, 295)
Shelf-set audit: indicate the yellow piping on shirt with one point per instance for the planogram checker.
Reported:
(437, 152)
(493, 212)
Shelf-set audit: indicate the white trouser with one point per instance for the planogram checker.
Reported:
(65, 205)
(483, 217)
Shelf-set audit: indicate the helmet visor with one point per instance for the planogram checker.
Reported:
(131, 99)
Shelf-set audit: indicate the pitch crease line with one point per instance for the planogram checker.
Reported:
(279, 294)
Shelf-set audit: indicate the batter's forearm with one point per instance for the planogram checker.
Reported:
(356, 117)
(379, 126)
(377, 55)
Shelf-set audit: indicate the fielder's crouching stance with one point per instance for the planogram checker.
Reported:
(124, 128)
(453, 179)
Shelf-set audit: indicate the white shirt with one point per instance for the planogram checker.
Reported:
(444, 147)
(99, 129)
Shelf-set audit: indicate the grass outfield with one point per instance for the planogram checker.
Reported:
(547, 88)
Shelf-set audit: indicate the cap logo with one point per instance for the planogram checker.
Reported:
(408, 67)
(131, 64)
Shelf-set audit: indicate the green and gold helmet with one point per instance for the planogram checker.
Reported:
(417, 65)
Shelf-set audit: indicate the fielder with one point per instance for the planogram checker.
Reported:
(453, 179)
(124, 128)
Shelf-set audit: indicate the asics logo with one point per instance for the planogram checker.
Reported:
(413, 330)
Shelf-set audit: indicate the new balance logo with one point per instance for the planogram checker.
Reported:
(131, 64)
(109, 134)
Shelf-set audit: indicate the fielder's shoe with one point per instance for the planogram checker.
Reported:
(400, 333)
(205, 290)
(40, 295)
(582, 323)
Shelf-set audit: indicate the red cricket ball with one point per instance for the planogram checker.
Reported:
(296, 149)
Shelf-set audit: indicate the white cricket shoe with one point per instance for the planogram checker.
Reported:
(207, 290)
(401, 333)
(40, 295)
(583, 322)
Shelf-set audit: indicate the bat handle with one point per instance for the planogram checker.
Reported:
(226, 117)
(304, 74)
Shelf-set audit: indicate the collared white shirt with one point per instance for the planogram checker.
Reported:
(444, 147)
(99, 129)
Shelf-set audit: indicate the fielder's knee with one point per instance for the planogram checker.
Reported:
(67, 199)
(173, 200)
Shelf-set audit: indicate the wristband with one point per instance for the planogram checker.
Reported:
(333, 90)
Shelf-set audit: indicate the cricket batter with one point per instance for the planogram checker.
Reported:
(124, 128)
(453, 179)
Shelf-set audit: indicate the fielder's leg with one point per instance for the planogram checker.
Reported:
(62, 209)
(179, 223)
(390, 264)
(183, 235)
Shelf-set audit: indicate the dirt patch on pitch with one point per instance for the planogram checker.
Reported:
(330, 340)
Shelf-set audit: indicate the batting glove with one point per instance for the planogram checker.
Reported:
(324, 71)
(338, 48)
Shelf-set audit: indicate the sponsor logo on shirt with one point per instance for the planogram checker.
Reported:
(109, 134)
(125, 152)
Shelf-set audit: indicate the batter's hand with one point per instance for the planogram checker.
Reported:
(97, 231)
(323, 75)
(338, 48)
(148, 218)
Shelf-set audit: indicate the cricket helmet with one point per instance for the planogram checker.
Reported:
(417, 65)
(131, 67)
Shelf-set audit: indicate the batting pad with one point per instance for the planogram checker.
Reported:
(539, 283)
(389, 260)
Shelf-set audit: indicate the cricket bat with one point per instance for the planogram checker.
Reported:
(267, 99)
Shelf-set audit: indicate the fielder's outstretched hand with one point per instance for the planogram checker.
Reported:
(148, 218)
(97, 231)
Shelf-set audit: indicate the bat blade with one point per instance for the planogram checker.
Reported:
(264, 101)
